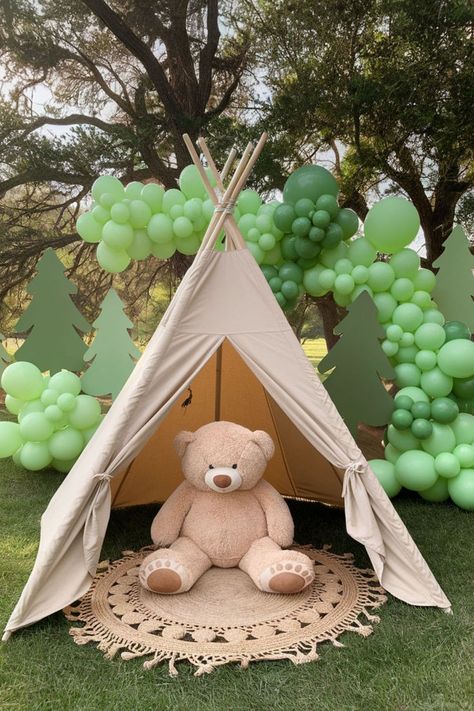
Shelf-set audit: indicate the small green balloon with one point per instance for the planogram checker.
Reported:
(66, 444)
(54, 414)
(455, 330)
(22, 380)
(66, 402)
(140, 214)
(436, 383)
(283, 217)
(264, 222)
(329, 204)
(394, 333)
(316, 234)
(361, 252)
(421, 410)
(348, 221)
(291, 272)
(456, 358)
(407, 354)
(152, 194)
(327, 278)
(267, 241)
(381, 276)
(89, 228)
(401, 419)
(303, 207)
(133, 190)
(343, 266)
(403, 402)
(275, 284)
(385, 473)
(321, 219)
(116, 236)
(360, 274)
(391, 454)
(403, 440)
(10, 439)
(35, 456)
(405, 263)
(430, 336)
(424, 280)
(426, 360)
(464, 453)
(32, 406)
(290, 290)
(172, 197)
(288, 249)
(65, 382)
(190, 182)
(35, 427)
(182, 227)
(408, 339)
(402, 289)
(256, 251)
(444, 410)
(193, 209)
(442, 439)
(415, 470)
(329, 257)
(408, 316)
(141, 246)
(344, 284)
(86, 412)
(187, 245)
(301, 226)
(273, 255)
(391, 224)
(13, 404)
(386, 306)
(433, 316)
(447, 465)
(421, 428)
(407, 375)
(463, 428)
(461, 489)
(421, 299)
(306, 249)
(390, 348)
(163, 251)
(415, 394)
(120, 213)
(108, 184)
(312, 281)
(249, 201)
(310, 181)
(160, 229)
(333, 236)
(436, 493)
(246, 223)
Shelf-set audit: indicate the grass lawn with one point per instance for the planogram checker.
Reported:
(315, 350)
(416, 659)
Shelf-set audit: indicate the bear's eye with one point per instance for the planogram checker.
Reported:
(211, 466)
(234, 466)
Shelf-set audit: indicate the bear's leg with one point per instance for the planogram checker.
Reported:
(275, 570)
(174, 569)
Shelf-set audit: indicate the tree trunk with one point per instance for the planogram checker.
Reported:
(329, 313)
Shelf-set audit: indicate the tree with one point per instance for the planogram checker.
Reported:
(359, 362)
(112, 353)
(5, 357)
(454, 288)
(51, 320)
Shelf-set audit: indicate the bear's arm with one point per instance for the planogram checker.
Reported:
(279, 521)
(167, 523)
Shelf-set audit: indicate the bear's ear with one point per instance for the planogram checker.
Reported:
(182, 440)
(265, 442)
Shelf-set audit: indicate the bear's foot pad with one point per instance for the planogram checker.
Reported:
(224, 618)
(286, 577)
(164, 576)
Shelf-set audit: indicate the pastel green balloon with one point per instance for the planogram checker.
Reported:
(32, 406)
(193, 209)
(349, 222)
(88, 228)
(267, 241)
(309, 181)
(425, 360)
(264, 222)
(10, 439)
(361, 252)
(343, 266)
(407, 375)
(456, 358)
(141, 246)
(441, 440)
(66, 444)
(66, 402)
(49, 396)
(329, 257)
(344, 284)
(385, 473)
(444, 410)
(117, 236)
(416, 394)
(424, 280)
(402, 289)
(408, 316)
(35, 456)
(312, 281)
(421, 299)
(108, 184)
(461, 489)
(140, 214)
(405, 263)
(160, 229)
(86, 412)
(63, 466)
(360, 274)
(17, 457)
(391, 224)
(152, 194)
(249, 201)
(65, 382)
(391, 454)
(433, 316)
(381, 276)
(172, 197)
(22, 380)
(273, 255)
(407, 354)
(120, 213)
(408, 339)
(390, 348)
(112, 260)
(464, 453)
(402, 440)
(447, 465)
(394, 333)
(436, 383)
(190, 182)
(256, 251)
(430, 336)
(327, 277)
(133, 190)
(415, 470)
(463, 428)
(437, 493)
(284, 216)
(55, 415)
(187, 245)
(386, 306)
(36, 427)
(13, 404)
(163, 250)
(182, 227)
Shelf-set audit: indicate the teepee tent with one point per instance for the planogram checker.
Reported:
(223, 350)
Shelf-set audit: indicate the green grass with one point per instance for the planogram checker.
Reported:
(417, 659)
(315, 349)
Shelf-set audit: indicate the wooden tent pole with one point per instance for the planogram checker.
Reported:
(217, 397)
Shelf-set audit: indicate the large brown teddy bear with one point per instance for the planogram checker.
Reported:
(224, 514)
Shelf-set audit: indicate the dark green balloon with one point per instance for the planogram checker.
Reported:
(421, 410)
(421, 428)
(455, 330)
(329, 204)
(444, 410)
(275, 284)
(269, 271)
(290, 290)
(281, 299)
(464, 388)
(402, 419)
(301, 226)
(306, 249)
(316, 234)
(310, 181)
(321, 219)
(403, 402)
(348, 220)
(288, 250)
(283, 217)
(291, 272)
(333, 236)
(307, 263)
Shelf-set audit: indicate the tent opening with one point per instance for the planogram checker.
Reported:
(226, 389)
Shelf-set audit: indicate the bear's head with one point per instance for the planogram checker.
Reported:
(223, 456)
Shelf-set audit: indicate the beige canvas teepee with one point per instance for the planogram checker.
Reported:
(225, 349)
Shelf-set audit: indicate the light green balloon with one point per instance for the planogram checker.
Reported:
(415, 470)
(152, 194)
(407, 354)
(433, 316)
(163, 251)
(402, 440)
(187, 245)
(190, 182)
(405, 263)
(343, 266)
(108, 184)
(407, 375)
(381, 276)
(416, 394)
(182, 228)
(360, 274)
(17, 457)
(66, 444)
(32, 406)
(390, 348)
(385, 473)
(35, 427)
(424, 280)
(402, 289)
(327, 277)
(172, 197)
(117, 236)
(329, 257)
(386, 305)
(49, 396)
(391, 454)
(361, 252)
(461, 489)
(394, 333)
(312, 280)
(100, 214)
(464, 453)
(120, 213)
(246, 223)
(88, 228)
(463, 428)
(436, 383)
(273, 256)
(10, 439)
(456, 358)
(408, 339)
(249, 201)
(112, 260)
(267, 241)
(35, 456)
(133, 190)
(430, 336)
(66, 402)
(342, 300)
(65, 382)
(141, 246)
(63, 466)
(86, 412)
(55, 415)
(193, 209)
(425, 360)
(160, 229)
(176, 211)
(447, 465)
(436, 493)
(421, 299)
(391, 224)
(441, 440)
(140, 214)
(13, 404)
(408, 316)
(22, 380)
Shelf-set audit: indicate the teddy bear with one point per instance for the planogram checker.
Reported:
(224, 514)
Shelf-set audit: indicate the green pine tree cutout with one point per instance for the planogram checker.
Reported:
(455, 281)
(359, 363)
(5, 357)
(113, 353)
(52, 321)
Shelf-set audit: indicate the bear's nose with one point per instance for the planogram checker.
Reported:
(222, 481)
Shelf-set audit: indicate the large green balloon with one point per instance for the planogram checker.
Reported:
(391, 224)
(22, 380)
(415, 470)
(433, 315)
(385, 473)
(10, 439)
(405, 263)
(407, 375)
(36, 427)
(386, 306)
(349, 222)
(88, 228)
(66, 444)
(408, 316)
(152, 194)
(249, 201)
(140, 214)
(35, 455)
(361, 252)
(86, 412)
(310, 181)
(381, 276)
(416, 394)
(112, 260)
(430, 336)
(455, 330)
(403, 440)
(402, 289)
(283, 217)
(461, 489)
(190, 183)
(436, 383)
(312, 281)
(117, 236)
(447, 465)
(141, 246)
(107, 184)
(436, 493)
(441, 440)
(424, 280)
(456, 358)
(65, 382)
(463, 428)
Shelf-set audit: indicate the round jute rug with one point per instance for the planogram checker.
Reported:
(224, 618)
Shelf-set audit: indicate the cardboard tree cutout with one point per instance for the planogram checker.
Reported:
(359, 363)
(52, 320)
(455, 281)
(113, 353)
(5, 357)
